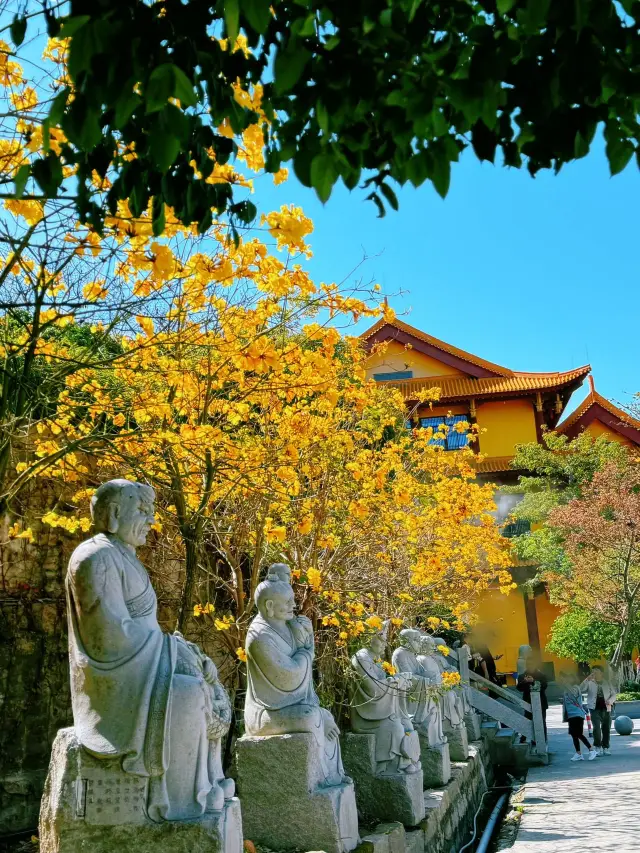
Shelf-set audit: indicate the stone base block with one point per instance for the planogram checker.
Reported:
(436, 764)
(397, 798)
(90, 804)
(286, 805)
(458, 742)
(472, 722)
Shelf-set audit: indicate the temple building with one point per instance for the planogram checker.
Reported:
(509, 408)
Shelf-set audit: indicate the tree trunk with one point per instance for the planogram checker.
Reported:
(191, 572)
(618, 653)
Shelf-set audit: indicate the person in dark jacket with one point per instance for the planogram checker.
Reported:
(526, 680)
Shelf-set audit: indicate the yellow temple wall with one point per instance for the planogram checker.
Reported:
(546, 614)
(507, 423)
(397, 358)
(597, 428)
(502, 624)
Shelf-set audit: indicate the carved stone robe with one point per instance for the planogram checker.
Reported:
(375, 709)
(280, 697)
(452, 703)
(423, 709)
(136, 692)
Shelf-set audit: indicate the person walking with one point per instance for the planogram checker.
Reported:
(601, 695)
(525, 682)
(574, 714)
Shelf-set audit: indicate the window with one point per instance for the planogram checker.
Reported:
(390, 377)
(516, 528)
(454, 439)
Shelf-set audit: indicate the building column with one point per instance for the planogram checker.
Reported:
(532, 619)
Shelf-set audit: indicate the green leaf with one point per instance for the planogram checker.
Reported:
(289, 66)
(158, 215)
(368, 25)
(257, 13)
(183, 88)
(302, 166)
(441, 172)
(168, 81)
(374, 197)
(332, 43)
(70, 26)
(619, 152)
(164, 149)
(48, 174)
(505, 6)
(414, 8)
(57, 107)
(126, 106)
(322, 116)
(20, 180)
(245, 211)
(385, 17)
(419, 167)
(18, 29)
(232, 20)
(323, 175)
(390, 196)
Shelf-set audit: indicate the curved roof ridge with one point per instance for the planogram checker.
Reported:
(439, 344)
(593, 397)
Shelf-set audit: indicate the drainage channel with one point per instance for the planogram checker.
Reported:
(489, 817)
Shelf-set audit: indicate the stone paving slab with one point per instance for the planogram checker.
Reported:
(582, 806)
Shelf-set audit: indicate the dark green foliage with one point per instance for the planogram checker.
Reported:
(395, 88)
(580, 636)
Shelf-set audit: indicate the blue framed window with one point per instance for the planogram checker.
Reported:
(454, 440)
(391, 377)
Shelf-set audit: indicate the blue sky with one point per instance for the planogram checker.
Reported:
(534, 274)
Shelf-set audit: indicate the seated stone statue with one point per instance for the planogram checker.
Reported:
(452, 703)
(152, 700)
(523, 654)
(376, 709)
(280, 697)
(418, 703)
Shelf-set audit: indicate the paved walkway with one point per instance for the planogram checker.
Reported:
(582, 806)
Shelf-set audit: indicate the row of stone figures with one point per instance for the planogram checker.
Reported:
(141, 767)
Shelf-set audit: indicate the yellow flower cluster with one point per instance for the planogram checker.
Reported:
(450, 680)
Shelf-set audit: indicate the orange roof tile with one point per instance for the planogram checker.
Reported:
(493, 464)
(454, 387)
(593, 398)
(435, 342)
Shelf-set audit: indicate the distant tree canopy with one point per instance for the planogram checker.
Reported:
(389, 91)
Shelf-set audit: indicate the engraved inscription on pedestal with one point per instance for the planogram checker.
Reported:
(108, 802)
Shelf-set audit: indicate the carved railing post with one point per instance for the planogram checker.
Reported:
(463, 669)
(538, 721)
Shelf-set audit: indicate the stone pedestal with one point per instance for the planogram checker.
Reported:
(472, 722)
(436, 764)
(92, 804)
(458, 742)
(285, 803)
(398, 797)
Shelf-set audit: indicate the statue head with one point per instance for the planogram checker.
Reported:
(428, 645)
(524, 651)
(275, 600)
(124, 509)
(279, 571)
(411, 638)
(439, 641)
(378, 640)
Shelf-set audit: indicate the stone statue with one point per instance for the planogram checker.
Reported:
(523, 654)
(150, 699)
(280, 695)
(418, 704)
(377, 709)
(452, 702)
